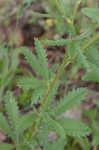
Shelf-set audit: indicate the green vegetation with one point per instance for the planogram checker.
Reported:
(29, 127)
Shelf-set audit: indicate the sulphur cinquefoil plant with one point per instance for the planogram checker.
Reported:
(33, 129)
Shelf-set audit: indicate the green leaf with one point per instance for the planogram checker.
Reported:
(82, 58)
(58, 42)
(12, 111)
(68, 101)
(5, 146)
(31, 59)
(74, 127)
(37, 94)
(30, 83)
(4, 125)
(26, 121)
(95, 126)
(93, 75)
(65, 6)
(92, 55)
(92, 13)
(42, 58)
(96, 138)
(15, 61)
